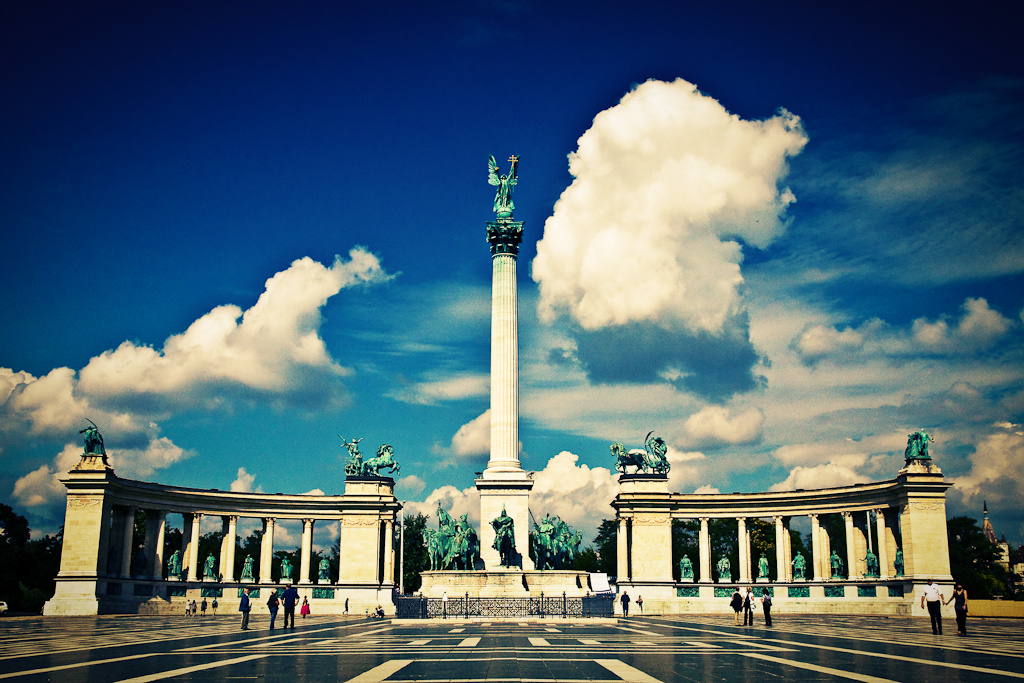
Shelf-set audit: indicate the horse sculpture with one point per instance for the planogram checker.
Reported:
(651, 457)
(357, 467)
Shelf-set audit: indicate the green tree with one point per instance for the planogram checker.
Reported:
(27, 567)
(586, 560)
(972, 559)
(415, 551)
(606, 545)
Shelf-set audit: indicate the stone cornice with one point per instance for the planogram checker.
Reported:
(184, 500)
(907, 489)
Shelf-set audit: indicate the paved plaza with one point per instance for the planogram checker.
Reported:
(641, 649)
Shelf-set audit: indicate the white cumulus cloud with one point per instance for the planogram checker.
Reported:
(474, 437)
(819, 477)
(716, 426)
(244, 481)
(664, 184)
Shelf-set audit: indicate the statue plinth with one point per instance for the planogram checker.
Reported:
(508, 491)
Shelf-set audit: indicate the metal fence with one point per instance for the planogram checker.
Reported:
(466, 607)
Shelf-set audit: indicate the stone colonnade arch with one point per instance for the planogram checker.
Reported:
(908, 513)
(97, 577)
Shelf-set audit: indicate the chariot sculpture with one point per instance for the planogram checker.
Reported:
(357, 467)
(651, 458)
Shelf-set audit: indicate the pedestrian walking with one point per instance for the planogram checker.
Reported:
(272, 604)
(640, 603)
(766, 603)
(195, 608)
(244, 606)
(291, 596)
(202, 607)
(346, 604)
(625, 604)
(444, 604)
(305, 608)
(737, 606)
(932, 595)
(748, 607)
(959, 600)
(214, 605)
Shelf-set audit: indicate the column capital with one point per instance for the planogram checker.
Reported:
(813, 515)
(742, 520)
(703, 520)
(269, 521)
(308, 522)
(230, 518)
(847, 513)
(504, 236)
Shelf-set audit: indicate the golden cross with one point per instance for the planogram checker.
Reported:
(513, 158)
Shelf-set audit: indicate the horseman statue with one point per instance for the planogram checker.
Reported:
(455, 544)
(917, 446)
(651, 458)
(356, 467)
(555, 544)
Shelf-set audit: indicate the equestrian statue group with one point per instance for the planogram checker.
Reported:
(554, 543)
(455, 544)
(357, 467)
(651, 458)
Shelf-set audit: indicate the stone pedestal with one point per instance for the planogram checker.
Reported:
(511, 493)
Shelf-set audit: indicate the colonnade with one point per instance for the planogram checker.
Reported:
(905, 515)
(97, 575)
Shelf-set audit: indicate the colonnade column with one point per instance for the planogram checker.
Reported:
(705, 552)
(267, 550)
(229, 525)
(156, 527)
(851, 548)
(622, 548)
(883, 555)
(744, 544)
(126, 547)
(389, 552)
(193, 556)
(780, 551)
(307, 547)
(787, 545)
(815, 548)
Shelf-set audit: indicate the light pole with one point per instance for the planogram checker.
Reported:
(401, 559)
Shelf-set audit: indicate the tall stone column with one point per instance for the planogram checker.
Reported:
(622, 548)
(883, 555)
(229, 526)
(851, 546)
(156, 527)
(504, 485)
(127, 541)
(705, 552)
(193, 555)
(307, 548)
(787, 545)
(267, 550)
(389, 552)
(815, 548)
(780, 551)
(744, 545)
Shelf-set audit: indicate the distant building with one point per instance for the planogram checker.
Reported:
(1004, 547)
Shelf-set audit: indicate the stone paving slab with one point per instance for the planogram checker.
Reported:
(139, 649)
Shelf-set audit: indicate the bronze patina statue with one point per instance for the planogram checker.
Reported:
(685, 568)
(503, 205)
(504, 538)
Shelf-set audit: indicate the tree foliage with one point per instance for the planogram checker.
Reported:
(415, 550)
(606, 546)
(972, 560)
(27, 567)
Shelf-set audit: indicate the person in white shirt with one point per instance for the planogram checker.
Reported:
(933, 596)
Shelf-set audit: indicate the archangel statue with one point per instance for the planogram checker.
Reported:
(503, 205)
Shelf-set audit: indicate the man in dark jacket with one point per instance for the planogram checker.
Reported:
(245, 607)
(625, 604)
(291, 596)
(737, 605)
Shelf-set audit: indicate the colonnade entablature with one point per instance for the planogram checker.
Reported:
(895, 536)
(98, 573)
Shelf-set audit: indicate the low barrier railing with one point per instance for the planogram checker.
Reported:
(466, 607)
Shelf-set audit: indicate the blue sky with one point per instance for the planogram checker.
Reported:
(790, 236)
